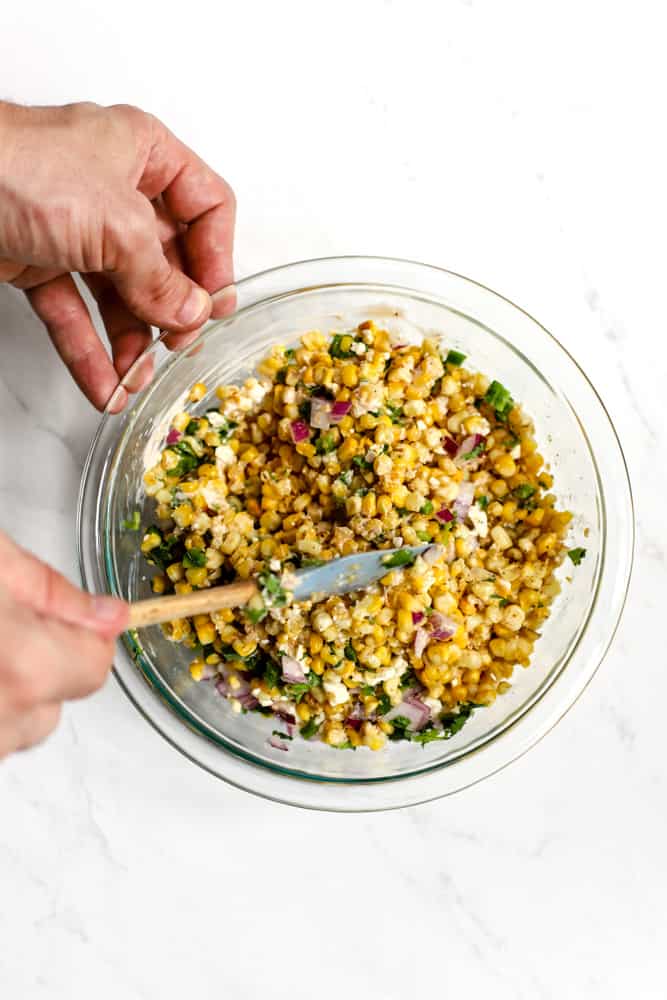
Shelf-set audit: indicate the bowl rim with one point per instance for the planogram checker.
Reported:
(287, 774)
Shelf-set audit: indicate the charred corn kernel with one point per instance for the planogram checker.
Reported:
(505, 466)
(197, 576)
(158, 584)
(303, 711)
(535, 517)
(546, 544)
(315, 643)
(197, 392)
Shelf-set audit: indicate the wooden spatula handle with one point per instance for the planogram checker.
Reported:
(199, 602)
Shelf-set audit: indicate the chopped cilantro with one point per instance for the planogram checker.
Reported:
(311, 563)
(400, 724)
(524, 491)
(483, 502)
(361, 463)
(368, 690)
(255, 615)
(426, 508)
(335, 348)
(283, 736)
(349, 653)
(474, 452)
(192, 427)
(576, 555)
(502, 601)
(512, 441)
(402, 557)
(304, 410)
(194, 557)
(325, 443)
(423, 536)
(272, 673)
(164, 554)
(290, 354)
(500, 399)
(281, 375)
(455, 358)
(309, 729)
(408, 679)
(384, 703)
(133, 523)
(188, 460)
(427, 735)
(345, 746)
(455, 721)
(297, 691)
(272, 590)
(395, 413)
(346, 477)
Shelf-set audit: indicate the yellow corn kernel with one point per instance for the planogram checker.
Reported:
(158, 584)
(182, 587)
(244, 647)
(348, 449)
(349, 376)
(546, 544)
(197, 576)
(197, 669)
(384, 504)
(404, 621)
(303, 711)
(175, 572)
(183, 515)
(505, 466)
(206, 634)
(197, 392)
(368, 505)
(346, 425)
(315, 643)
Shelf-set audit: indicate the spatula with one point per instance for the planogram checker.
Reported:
(338, 576)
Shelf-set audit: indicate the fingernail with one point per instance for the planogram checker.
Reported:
(197, 302)
(106, 609)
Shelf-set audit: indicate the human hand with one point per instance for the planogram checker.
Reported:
(112, 194)
(57, 643)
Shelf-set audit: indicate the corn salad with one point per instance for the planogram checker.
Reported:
(346, 443)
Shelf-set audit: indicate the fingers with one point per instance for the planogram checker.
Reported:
(67, 320)
(151, 287)
(128, 336)
(200, 199)
(46, 592)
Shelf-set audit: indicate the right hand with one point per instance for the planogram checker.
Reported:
(57, 643)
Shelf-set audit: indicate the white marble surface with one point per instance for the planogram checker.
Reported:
(517, 142)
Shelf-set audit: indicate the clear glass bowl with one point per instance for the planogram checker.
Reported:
(574, 434)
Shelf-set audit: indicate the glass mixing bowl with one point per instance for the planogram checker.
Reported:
(574, 434)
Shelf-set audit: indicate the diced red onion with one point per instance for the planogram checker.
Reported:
(248, 701)
(464, 500)
(467, 445)
(277, 743)
(340, 410)
(173, 436)
(299, 431)
(292, 670)
(417, 617)
(285, 716)
(358, 712)
(412, 709)
(421, 641)
(355, 724)
(320, 413)
(445, 515)
(423, 709)
(441, 626)
(451, 446)
(208, 672)
(224, 688)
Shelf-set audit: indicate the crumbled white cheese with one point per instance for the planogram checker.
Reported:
(262, 697)
(379, 676)
(274, 565)
(224, 455)
(336, 691)
(433, 703)
(358, 347)
(479, 520)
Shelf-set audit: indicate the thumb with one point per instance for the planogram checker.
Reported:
(154, 290)
(40, 587)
